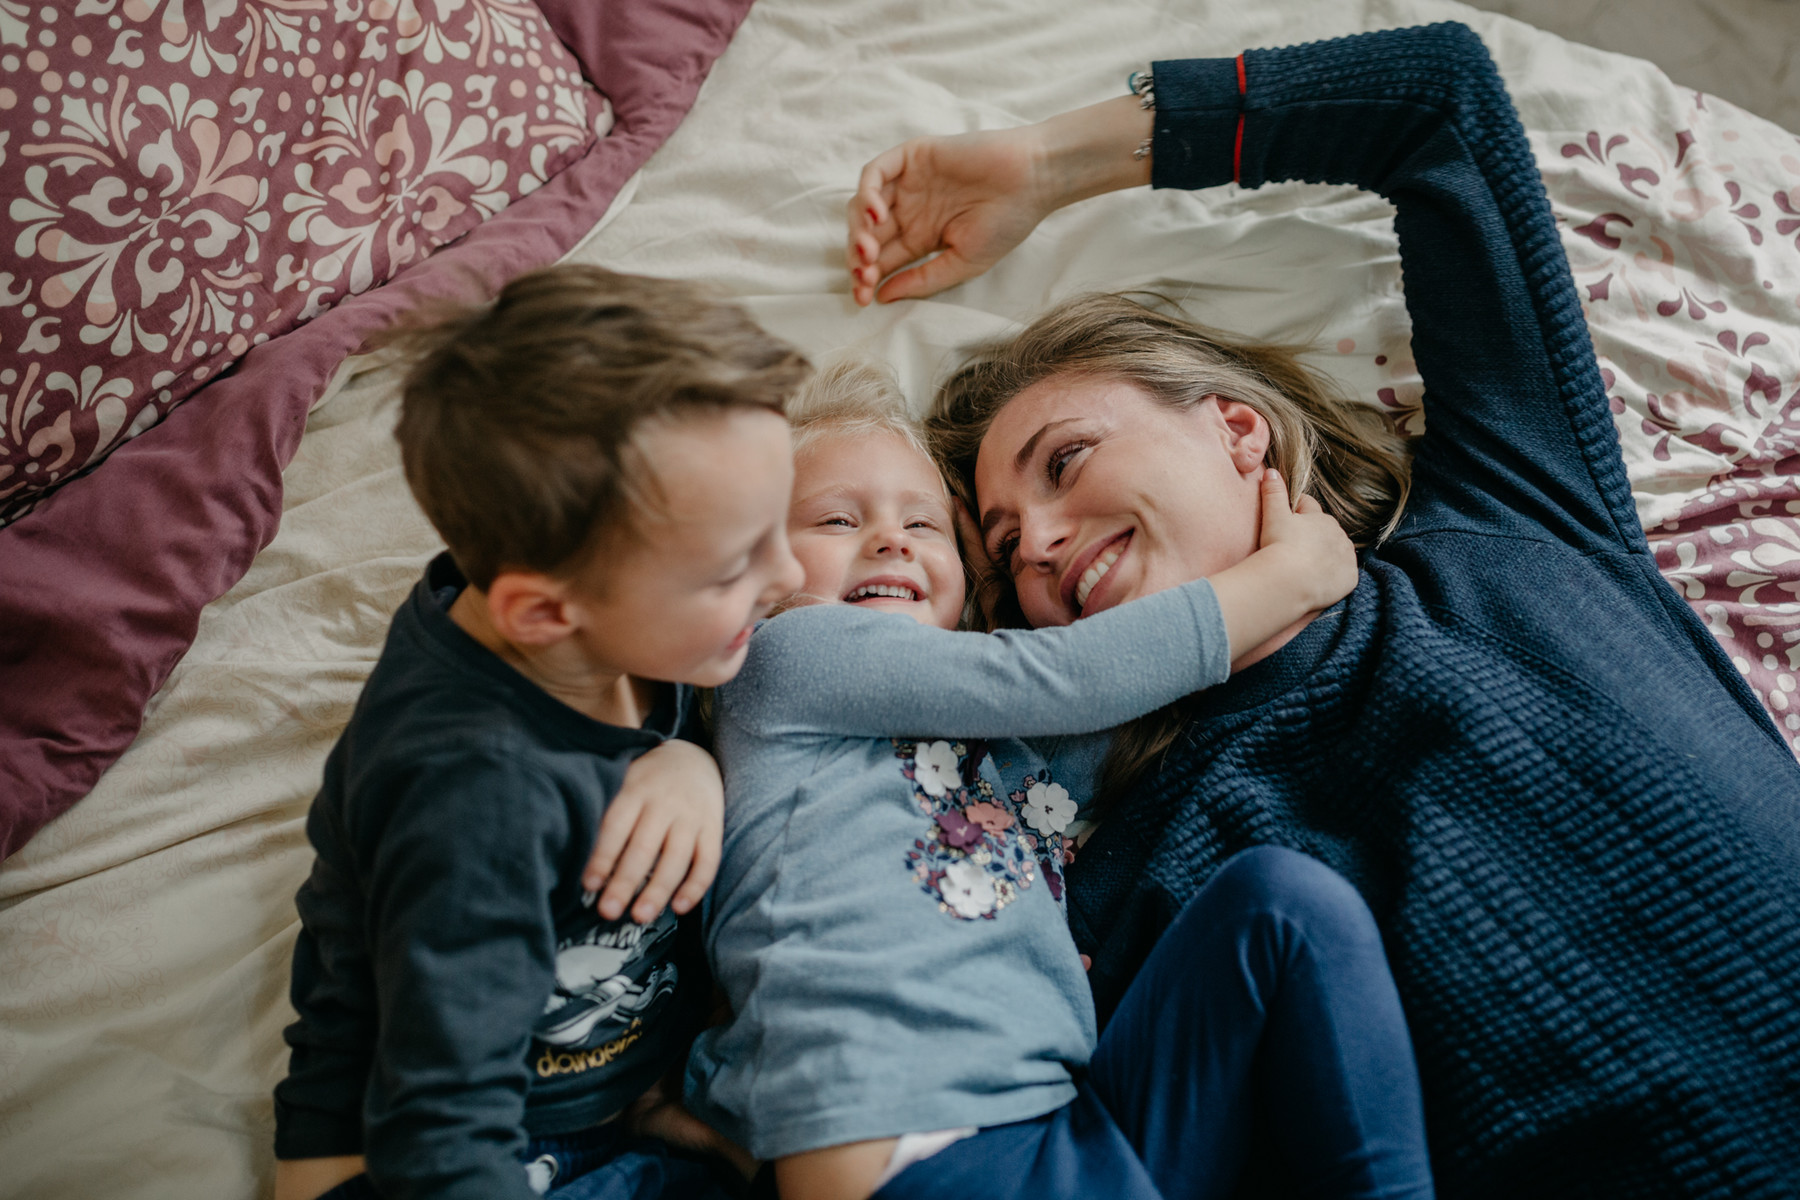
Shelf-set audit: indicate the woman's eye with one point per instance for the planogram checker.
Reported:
(1060, 459)
(1003, 553)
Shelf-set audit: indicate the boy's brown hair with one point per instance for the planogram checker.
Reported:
(518, 419)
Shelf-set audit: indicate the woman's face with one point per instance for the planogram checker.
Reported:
(1092, 493)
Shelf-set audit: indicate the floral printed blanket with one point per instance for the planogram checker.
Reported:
(183, 190)
(203, 203)
(145, 934)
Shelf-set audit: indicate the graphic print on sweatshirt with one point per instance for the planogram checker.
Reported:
(614, 979)
(980, 849)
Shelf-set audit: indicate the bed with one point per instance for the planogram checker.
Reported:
(145, 933)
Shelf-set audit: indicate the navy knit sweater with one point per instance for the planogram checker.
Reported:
(1576, 825)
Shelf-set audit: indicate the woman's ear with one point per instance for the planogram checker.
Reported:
(529, 608)
(1247, 436)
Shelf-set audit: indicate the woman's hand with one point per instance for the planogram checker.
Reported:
(669, 814)
(970, 198)
(967, 199)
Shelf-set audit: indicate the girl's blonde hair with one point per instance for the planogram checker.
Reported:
(1344, 455)
(853, 395)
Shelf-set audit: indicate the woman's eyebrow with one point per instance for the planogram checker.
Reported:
(1019, 460)
(1025, 451)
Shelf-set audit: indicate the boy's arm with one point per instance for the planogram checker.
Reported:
(837, 670)
(463, 947)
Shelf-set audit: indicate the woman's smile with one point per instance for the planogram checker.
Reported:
(1090, 569)
(1088, 489)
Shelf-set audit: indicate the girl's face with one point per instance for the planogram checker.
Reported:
(1092, 493)
(871, 524)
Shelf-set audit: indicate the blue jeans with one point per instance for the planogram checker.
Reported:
(602, 1163)
(1263, 1042)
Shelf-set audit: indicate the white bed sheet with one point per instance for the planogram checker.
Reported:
(145, 935)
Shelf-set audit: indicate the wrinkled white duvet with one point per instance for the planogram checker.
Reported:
(145, 935)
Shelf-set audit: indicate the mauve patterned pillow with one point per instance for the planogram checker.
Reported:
(185, 181)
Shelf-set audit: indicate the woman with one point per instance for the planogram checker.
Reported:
(1577, 827)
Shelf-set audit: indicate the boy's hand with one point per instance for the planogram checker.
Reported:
(670, 815)
(1323, 558)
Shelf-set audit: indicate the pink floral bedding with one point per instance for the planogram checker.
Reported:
(183, 191)
(102, 582)
(1683, 234)
(1685, 243)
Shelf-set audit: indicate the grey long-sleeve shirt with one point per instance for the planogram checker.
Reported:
(885, 919)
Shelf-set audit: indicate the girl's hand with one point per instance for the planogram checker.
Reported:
(670, 815)
(967, 199)
(1320, 554)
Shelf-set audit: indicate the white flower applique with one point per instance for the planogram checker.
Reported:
(967, 889)
(1048, 807)
(972, 857)
(936, 769)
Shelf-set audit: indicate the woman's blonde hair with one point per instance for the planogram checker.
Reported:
(1344, 455)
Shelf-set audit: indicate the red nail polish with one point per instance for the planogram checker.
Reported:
(873, 218)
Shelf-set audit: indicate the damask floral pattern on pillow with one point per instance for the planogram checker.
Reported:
(184, 181)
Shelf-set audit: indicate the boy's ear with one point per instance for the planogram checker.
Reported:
(529, 608)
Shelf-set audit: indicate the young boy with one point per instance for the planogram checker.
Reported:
(607, 460)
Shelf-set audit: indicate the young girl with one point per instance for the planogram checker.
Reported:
(911, 1014)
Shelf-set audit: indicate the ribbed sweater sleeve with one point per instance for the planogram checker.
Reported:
(1519, 436)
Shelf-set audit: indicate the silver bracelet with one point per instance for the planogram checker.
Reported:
(1143, 86)
(1143, 150)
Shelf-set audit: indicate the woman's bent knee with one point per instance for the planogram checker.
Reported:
(1296, 891)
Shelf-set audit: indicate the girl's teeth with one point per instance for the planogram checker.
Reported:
(887, 590)
(1094, 575)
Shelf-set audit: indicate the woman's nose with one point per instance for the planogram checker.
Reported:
(1042, 539)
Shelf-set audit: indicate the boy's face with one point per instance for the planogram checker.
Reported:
(871, 524)
(676, 600)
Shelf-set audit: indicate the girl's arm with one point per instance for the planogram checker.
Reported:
(839, 670)
(1519, 438)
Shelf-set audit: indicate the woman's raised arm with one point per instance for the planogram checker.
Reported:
(1519, 437)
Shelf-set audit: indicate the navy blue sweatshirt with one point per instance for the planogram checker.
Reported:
(456, 988)
(1578, 828)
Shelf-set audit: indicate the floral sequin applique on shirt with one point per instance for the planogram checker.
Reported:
(976, 855)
